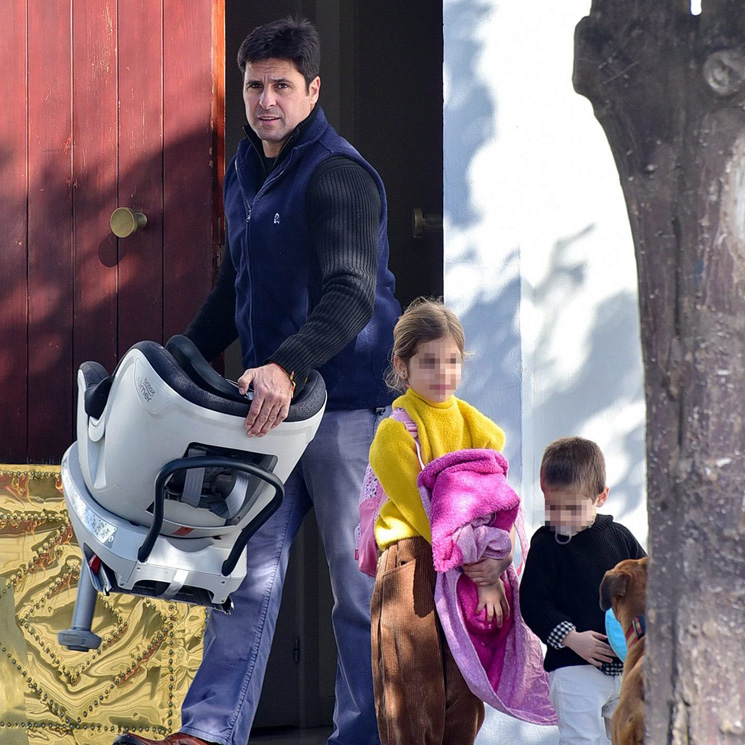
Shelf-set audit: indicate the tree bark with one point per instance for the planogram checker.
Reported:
(669, 90)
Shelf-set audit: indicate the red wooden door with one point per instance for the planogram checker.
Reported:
(103, 103)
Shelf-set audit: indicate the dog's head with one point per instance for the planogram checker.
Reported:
(624, 589)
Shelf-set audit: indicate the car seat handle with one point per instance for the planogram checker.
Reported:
(210, 461)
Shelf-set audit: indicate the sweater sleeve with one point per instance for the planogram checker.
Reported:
(485, 433)
(537, 600)
(213, 328)
(494, 439)
(343, 206)
(634, 548)
(394, 460)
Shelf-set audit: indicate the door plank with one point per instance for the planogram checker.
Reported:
(94, 165)
(188, 151)
(73, 292)
(13, 218)
(141, 170)
(50, 233)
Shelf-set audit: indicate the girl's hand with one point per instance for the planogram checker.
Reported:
(591, 646)
(492, 598)
(487, 571)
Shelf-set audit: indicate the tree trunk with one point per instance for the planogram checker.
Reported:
(669, 90)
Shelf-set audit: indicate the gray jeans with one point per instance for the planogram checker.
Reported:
(222, 700)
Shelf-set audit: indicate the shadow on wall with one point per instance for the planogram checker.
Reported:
(493, 374)
(469, 103)
(607, 384)
(607, 380)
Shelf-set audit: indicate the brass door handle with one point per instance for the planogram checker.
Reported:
(422, 223)
(125, 222)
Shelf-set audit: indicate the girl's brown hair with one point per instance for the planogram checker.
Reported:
(425, 319)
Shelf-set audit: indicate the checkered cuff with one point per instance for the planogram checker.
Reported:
(612, 668)
(556, 637)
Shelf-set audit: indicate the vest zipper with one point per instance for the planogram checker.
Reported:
(246, 262)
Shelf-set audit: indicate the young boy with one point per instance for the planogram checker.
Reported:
(559, 593)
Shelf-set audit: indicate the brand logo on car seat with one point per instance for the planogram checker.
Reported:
(146, 390)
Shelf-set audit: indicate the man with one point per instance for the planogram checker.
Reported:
(305, 285)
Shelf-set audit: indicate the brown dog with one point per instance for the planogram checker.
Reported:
(624, 589)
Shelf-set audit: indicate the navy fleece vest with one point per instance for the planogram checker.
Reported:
(278, 278)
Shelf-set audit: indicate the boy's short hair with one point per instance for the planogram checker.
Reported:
(574, 461)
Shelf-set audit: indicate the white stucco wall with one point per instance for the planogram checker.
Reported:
(539, 259)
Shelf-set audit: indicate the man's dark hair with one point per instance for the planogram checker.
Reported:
(288, 39)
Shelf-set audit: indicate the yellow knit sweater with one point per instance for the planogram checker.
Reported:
(443, 428)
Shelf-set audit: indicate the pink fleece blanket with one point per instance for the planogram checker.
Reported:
(472, 509)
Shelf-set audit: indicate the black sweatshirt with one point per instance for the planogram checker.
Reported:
(560, 588)
(343, 209)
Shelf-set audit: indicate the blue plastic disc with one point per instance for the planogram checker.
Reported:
(616, 637)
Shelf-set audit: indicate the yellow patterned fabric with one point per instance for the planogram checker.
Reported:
(149, 653)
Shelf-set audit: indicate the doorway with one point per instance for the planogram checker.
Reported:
(381, 75)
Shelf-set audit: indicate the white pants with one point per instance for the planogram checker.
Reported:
(585, 699)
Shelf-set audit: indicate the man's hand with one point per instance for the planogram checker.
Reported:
(487, 571)
(492, 598)
(591, 646)
(272, 395)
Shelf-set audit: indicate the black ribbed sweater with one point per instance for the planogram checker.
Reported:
(343, 209)
(561, 582)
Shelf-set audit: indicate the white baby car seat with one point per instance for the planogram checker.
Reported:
(163, 487)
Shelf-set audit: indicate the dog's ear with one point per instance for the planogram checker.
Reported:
(612, 586)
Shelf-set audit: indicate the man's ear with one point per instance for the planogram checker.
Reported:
(602, 497)
(314, 89)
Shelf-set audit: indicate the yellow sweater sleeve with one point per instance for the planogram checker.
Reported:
(393, 459)
(484, 432)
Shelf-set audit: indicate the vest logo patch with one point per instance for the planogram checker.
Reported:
(276, 218)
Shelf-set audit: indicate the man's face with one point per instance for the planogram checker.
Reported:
(277, 100)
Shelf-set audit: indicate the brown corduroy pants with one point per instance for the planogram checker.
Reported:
(421, 697)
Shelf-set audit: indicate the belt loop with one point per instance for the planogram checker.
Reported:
(383, 559)
(392, 562)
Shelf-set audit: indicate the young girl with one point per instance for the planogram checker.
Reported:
(420, 694)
